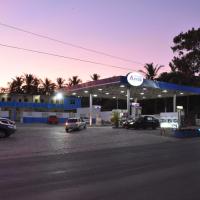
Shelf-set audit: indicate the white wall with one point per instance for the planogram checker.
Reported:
(84, 112)
(106, 115)
(4, 114)
(46, 114)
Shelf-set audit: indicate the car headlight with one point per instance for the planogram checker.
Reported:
(131, 123)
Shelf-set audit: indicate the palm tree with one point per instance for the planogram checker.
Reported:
(95, 77)
(28, 83)
(60, 82)
(36, 85)
(15, 87)
(75, 80)
(151, 71)
(47, 87)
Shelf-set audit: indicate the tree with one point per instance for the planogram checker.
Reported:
(60, 82)
(187, 48)
(28, 83)
(75, 80)
(151, 71)
(95, 77)
(36, 85)
(47, 87)
(172, 77)
(185, 66)
(15, 87)
(31, 84)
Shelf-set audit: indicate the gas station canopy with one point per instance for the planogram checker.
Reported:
(117, 86)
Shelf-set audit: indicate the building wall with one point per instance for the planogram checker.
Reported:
(42, 117)
(17, 104)
(4, 114)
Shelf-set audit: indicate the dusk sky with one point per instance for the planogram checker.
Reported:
(138, 30)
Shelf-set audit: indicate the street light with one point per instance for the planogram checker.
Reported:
(59, 96)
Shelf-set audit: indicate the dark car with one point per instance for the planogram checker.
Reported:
(75, 124)
(7, 127)
(53, 119)
(144, 123)
(124, 122)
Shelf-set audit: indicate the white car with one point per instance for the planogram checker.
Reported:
(75, 124)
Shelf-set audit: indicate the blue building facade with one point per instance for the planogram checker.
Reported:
(20, 106)
(69, 103)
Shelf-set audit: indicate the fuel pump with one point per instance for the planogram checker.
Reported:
(136, 110)
(180, 115)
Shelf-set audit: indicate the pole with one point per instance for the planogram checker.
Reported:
(174, 103)
(128, 101)
(90, 111)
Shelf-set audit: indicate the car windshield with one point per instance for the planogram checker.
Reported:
(72, 120)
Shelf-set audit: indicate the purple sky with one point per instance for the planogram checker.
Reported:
(140, 30)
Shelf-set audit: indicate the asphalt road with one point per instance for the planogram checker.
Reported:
(163, 171)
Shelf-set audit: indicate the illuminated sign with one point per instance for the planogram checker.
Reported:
(169, 120)
(135, 104)
(135, 79)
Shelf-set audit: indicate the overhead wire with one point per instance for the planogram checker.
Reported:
(63, 56)
(70, 44)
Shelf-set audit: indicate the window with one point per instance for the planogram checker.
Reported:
(149, 118)
(3, 99)
(72, 101)
(9, 99)
(25, 100)
(36, 100)
(20, 100)
(42, 100)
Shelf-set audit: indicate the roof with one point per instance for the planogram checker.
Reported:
(115, 87)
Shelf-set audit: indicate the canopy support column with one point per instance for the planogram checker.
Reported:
(128, 101)
(90, 111)
(174, 103)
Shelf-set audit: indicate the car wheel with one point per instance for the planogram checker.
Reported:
(67, 130)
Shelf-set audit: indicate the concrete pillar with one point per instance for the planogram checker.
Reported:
(174, 103)
(135, 100)
(117, 103)
(165, 102)
(128, 101)
(90, 114)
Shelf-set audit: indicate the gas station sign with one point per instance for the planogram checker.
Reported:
(135, 79)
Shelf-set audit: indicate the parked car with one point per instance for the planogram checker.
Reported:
(53, 119)
(124, 122)
(7, 127)
(75, 124)
(86, 119)
(144, 123)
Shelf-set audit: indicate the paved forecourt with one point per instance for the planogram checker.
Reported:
(36, 140)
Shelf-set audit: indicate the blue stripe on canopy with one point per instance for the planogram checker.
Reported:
(164, 86)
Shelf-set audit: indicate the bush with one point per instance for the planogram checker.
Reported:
(115, 119)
